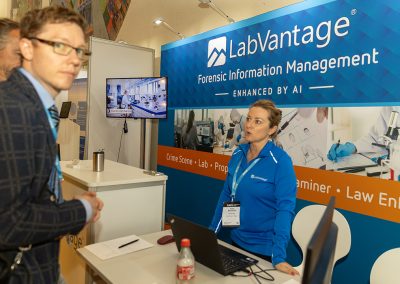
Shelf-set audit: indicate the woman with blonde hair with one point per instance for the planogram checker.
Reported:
(260, 190)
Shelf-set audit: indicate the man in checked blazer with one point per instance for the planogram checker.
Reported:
(53, 46)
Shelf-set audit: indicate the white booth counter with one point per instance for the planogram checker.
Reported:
(134, 203)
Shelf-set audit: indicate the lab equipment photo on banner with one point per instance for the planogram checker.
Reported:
(302, 132)
(336, 139)
(216, 131)
(193, 129)
(364, 141)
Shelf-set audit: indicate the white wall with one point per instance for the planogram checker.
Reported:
(5, 6)
(362, 119)
(351, 123)
(115, 60)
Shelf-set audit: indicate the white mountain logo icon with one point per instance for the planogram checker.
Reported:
(217, 52)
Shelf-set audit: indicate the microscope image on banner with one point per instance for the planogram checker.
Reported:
(364, 141)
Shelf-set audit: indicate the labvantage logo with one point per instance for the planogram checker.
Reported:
(318, 35)
(217, 52)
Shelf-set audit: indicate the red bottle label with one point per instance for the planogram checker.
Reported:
(185, 272)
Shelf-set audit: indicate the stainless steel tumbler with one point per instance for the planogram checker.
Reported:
(98, 161)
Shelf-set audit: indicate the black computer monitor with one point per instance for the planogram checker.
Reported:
(321, 249)
(65, 107)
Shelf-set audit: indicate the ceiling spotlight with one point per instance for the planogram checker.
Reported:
(160, 21)
(209, 3)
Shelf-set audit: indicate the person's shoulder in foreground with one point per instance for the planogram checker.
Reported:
(9, 47)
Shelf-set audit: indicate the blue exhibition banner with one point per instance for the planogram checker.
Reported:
(332, 67)
(317, 52)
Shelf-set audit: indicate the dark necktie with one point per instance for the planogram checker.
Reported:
(55, 176)
(54, 116)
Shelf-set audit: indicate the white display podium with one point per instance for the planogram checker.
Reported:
(68, 139)
(134, 203)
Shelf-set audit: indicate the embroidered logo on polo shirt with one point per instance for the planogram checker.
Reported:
(259, 178)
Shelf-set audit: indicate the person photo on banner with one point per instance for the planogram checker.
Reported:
(259, 195)
(383, 132)
(238, 135)
(302, 134)
(220, 131)
(189, 133)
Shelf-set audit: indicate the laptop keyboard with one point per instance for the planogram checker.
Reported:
(233, 261)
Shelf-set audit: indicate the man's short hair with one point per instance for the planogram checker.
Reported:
(34, 20)
(6, 26)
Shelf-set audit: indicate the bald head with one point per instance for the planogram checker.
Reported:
(9, 47)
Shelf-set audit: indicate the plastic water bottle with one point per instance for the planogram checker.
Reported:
(185, 266)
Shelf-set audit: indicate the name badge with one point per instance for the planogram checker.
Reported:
(231, 214)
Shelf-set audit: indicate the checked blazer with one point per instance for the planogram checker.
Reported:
(28, 213)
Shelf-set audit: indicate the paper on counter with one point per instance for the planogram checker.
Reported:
(291, 281)
(109, 249)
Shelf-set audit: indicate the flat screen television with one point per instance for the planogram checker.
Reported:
(320, 253)
(137, 97)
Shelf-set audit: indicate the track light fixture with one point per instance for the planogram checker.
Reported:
(210, 3)
(160, 21)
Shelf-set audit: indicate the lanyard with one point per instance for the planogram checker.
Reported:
(54, 132)
(236, 181)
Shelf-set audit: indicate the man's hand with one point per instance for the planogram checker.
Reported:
(96, 203)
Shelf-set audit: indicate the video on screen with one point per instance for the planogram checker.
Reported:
(136, 97)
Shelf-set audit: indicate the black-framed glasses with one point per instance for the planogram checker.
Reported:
(64, 48)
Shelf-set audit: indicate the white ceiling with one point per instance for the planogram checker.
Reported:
(186, 17)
